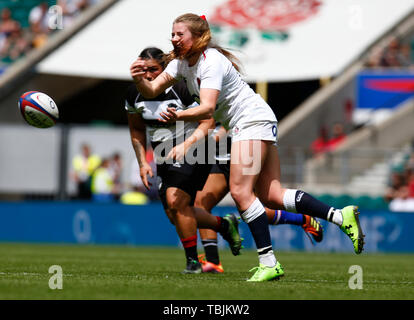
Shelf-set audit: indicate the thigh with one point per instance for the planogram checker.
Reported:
(247, 157)
(268, 187)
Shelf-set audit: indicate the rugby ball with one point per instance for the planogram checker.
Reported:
(38, 109)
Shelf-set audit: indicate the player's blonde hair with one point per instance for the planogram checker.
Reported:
(200, 31)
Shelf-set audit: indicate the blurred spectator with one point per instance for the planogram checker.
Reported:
(397, 188)
(8, 29)
(400, 192)
(115, 168)
(83, 166)
(325, 143)
(102, 183)
(7, 24)
(320, 145)
(16, 45)
(72, 8)
(338, 136)
(39, 18)
(396, 53)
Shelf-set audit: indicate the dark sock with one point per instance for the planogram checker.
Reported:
(313, 207)
(211, 250)
(190, 247)
(259, 228)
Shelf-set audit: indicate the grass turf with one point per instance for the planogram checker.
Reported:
(152, 273)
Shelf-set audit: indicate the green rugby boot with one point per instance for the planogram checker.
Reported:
(264, 273)
(351, 227)
(231, 235)
(193, 267)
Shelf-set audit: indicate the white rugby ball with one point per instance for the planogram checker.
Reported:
(38, 109)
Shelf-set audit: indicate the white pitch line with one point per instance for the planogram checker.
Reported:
(28, 274)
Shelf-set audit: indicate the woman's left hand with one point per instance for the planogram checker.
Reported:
(169, 116)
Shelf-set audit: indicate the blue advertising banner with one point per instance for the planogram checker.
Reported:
(384, 89)
(91, 223)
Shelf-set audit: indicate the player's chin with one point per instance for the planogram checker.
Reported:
(180, 52)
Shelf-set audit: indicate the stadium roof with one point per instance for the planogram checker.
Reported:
(279, 40)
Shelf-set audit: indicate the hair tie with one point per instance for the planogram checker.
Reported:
(203, 17)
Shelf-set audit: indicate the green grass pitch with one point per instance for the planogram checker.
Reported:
(145, 273)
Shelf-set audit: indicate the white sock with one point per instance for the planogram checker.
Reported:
(255, 210)
(268, 259)
(289, 201)
(337, 217)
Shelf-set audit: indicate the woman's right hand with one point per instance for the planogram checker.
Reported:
(138, 70)
(145, 170)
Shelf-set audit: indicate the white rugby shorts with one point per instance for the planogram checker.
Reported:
(255, 130)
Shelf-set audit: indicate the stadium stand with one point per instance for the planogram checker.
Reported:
(31, 20)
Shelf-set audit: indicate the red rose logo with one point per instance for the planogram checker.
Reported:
(265, 15)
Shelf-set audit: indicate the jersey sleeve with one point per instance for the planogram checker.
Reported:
(181, 89)
(173, 69)
(212, 73)
(130, 96)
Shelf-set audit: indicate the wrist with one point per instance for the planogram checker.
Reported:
(142, 163)
(138, 80)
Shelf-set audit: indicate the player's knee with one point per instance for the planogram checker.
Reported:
(240, 194)
(177, 203)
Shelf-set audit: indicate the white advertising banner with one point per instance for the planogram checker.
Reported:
(276, 40)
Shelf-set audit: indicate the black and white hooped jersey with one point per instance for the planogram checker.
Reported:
(176, 96)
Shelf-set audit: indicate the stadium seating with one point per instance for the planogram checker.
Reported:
(20, 9)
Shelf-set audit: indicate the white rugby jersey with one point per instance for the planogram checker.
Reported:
(176, 96)
(237, 102)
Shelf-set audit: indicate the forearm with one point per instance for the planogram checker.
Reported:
(202, 112)
(201, 132)
(138, 140)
